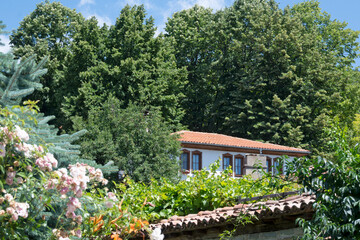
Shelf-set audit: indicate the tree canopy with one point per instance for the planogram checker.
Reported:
(48, 32)
(270, 74)
(136, 139)
(251, 70)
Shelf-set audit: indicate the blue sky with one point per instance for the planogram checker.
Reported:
(106, 11)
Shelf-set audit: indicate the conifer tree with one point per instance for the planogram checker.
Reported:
(18, 80)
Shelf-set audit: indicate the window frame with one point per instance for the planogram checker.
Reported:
(200, 159)
(241, 167)
(270, 165)
(231, 160)
(187, 152)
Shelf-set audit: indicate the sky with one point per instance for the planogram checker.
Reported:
(106, 11)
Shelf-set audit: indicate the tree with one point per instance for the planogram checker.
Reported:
(136, 138)
(2, 26)
(280, 83)
(86, 51)
(335, 184)
(193, 33)
(48, 31)
(18, 80)
(137, 67)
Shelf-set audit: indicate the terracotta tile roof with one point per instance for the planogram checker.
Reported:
(269, 210)
(224, 140)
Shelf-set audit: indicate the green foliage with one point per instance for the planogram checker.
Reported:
(136, 139)
(24, 186)
(286, 87)
(336, 186)
(35, 200)
(206, 190)
(2, 26)
(48, 32)
(265, 73)
(136, 67)
(18, 80)
(193, 33)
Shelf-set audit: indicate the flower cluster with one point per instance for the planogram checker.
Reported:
(68, 183)
(110, 199)
(14, 209)
(47, 162)
(74, 182)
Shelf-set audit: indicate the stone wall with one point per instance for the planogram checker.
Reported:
(252, 164)
(287, 234)
(213, 234)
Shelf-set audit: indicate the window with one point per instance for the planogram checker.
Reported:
(277, 168)
(185, 161)
(268, 165)
(227, 161)
(238, 165)
(196, 160)
(273, 166)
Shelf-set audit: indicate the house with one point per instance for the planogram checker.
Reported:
(200, 149)
(272, 219)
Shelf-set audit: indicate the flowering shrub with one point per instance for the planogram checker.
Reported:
(29, 185)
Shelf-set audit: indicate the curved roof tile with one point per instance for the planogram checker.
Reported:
(224, 140)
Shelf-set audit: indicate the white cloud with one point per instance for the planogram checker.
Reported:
(5, 40)
(147, 3)
(179, 5)
(101, 19)
(214, 4)
(84, 2)
(88, 13)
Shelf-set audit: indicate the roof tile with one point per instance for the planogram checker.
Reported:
(224, 140)
(262, 210)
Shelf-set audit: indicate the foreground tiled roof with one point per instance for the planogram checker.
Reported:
(291, 206)
(224, 140)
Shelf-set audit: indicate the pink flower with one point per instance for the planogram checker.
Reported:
(70, 215)
(10, 210)
(14, 217)
(51, 159)
(64, 190)
(78, 193)
(21, 133)
(40, 149)
(79, 219)
(109, 204)
(78, 233)
(19, 180)
(72, 205)
(22, 209)
(112, 196)
(8, 197)
(11, 174)
(9, 181)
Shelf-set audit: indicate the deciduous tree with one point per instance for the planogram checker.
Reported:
(136, 138)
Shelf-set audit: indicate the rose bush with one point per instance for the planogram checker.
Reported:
(30, 187)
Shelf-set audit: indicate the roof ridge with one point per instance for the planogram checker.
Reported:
(227, 140)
